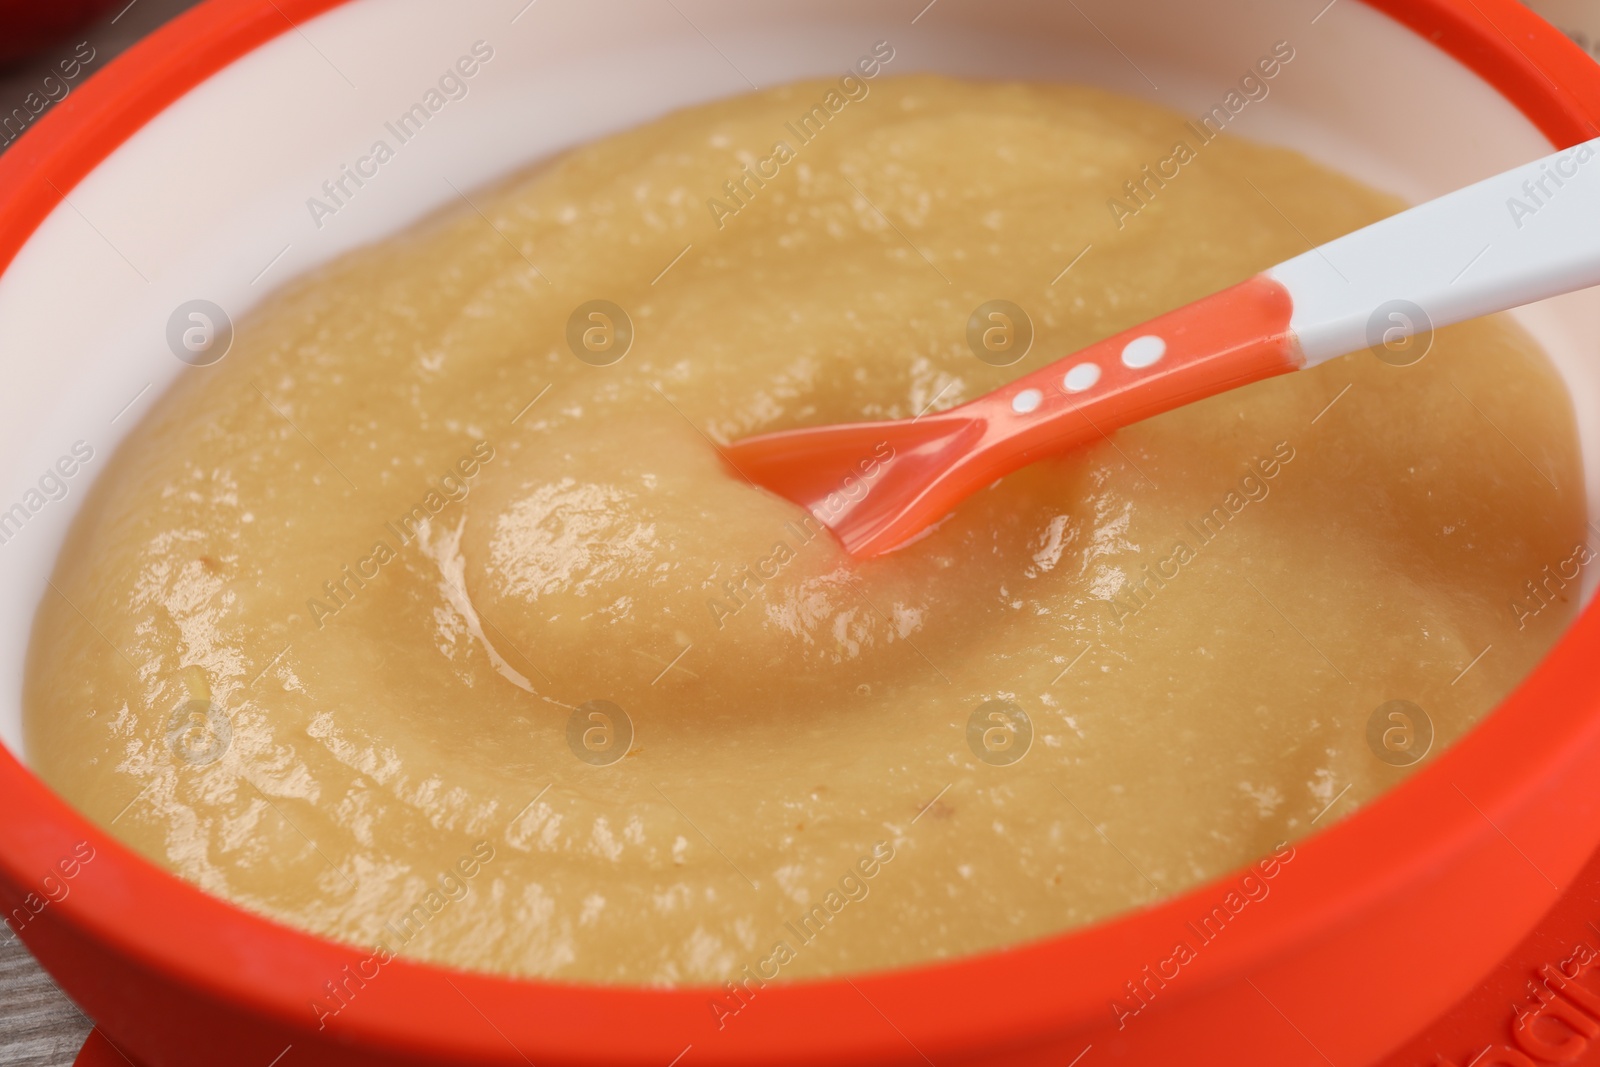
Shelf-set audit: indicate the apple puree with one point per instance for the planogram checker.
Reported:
(406, 625)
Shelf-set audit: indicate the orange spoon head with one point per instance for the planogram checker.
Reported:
(876, 485)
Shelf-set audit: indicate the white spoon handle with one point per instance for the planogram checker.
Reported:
(1530, 233)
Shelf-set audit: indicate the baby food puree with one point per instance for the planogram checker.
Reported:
(431, 618)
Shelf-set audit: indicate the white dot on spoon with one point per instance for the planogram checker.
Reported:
(1143, 351)
(1081, 377)
(1026, 401)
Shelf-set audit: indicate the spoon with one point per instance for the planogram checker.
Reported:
(1530, 233)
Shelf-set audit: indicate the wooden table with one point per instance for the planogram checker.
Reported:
(39, 1026)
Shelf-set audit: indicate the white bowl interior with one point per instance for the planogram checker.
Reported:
(209, 200)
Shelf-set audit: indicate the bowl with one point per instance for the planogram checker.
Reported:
(186, 169)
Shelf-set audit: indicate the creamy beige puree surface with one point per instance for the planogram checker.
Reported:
(392, 578)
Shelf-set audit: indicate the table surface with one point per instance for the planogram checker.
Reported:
(39, 1026)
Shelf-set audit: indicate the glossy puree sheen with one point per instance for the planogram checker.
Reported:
(318, 633)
